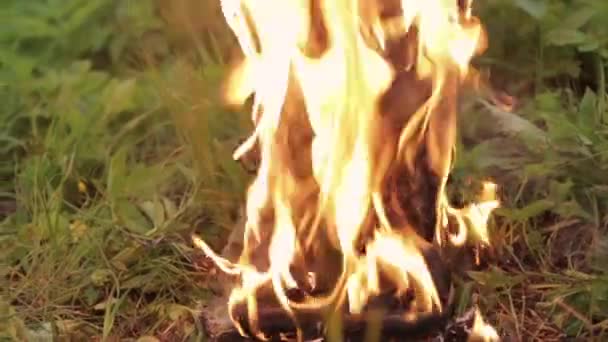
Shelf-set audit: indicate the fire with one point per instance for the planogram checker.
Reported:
(482, 332)
(317, 70)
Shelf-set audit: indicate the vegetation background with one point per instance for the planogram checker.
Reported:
(114, 148)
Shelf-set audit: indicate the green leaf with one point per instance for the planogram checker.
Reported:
(531, 210)
(579, 18)
(138, 281)
(91, 295)
(538, 170)
(126, 257)
(589, 46)
(101, 276)
(599, 289)
(24, 27)
(571, 209)
(560, 191)
(143, 180)
(176, 312)
(565, 36)
(119, 96)
(112, 306)
(535, 8)
(82, 14)
(573, 326)
(169, 208)
(495, 278)
(587, 110)
(117, 173)
(535, 241)
(128, 214)
(549, 101)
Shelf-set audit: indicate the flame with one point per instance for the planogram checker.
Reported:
(323, 176)
(482, 332)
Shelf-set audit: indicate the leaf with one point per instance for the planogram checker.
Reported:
(109, 317)
(119, 96)
(535, 241)
(131, 217)
(78, 230)
(143, 180)
(91, 295)
(587, 110)
(103, 305)
(29, 27)
(138, 281)
(573, 326)
(80, 15)
(579, 18)
(599, 289)
(117, 173)
(565, 36)
(531, 210)
(549, 101)
(170, 208)
(538, 170)
(572, 209)
(101, 276)
(123, 259)
(147, 339)
(176, 312)
(535, 8)
(590, 45)
(154, 210)
(560, 191)
(495, 278)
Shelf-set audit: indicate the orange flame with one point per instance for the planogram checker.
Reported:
(341, 197)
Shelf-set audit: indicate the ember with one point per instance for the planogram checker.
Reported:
(355, 110)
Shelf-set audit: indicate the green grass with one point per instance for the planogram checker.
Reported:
(548, 279)
(109, 120)
(114, 148)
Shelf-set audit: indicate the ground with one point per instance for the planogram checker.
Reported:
(114, 148)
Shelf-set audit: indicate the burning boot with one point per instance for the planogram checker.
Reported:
(354, 105)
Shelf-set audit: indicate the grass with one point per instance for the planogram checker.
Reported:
(548, 278)
(106, 139)
(113, 148)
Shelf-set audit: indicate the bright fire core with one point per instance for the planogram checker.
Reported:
(330, 153)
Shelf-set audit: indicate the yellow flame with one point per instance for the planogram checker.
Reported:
(474, 217)
(350, 153)
(482, 332)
